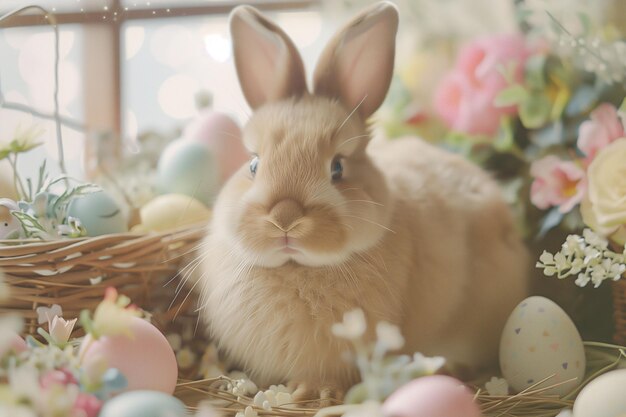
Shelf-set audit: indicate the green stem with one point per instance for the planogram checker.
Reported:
(17, 180)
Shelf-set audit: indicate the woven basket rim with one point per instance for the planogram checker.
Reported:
(7, 245)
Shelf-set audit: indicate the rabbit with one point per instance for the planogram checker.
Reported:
(322, 220)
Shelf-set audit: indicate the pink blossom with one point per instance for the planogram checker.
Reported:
(465, 97)
(57, 377)
(557, 183)
(604, 127)
(86, 405)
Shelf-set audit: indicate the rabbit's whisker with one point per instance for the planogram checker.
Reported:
(352, 112)
(368, 221)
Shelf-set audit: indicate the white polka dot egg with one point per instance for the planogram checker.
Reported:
(540, 341)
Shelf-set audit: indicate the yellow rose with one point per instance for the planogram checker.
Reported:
(604, 209)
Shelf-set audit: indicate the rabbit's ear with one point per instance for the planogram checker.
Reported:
(268, 64)
(357, 64)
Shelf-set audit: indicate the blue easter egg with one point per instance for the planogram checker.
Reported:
(188, 167)
(143, 404)
(99, 213)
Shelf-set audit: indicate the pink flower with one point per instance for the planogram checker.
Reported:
(557, 183)
(604, 127)
(465, 97)
(57, 377)
(86, 405)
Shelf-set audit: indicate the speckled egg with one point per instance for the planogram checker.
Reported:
(539, 341)
(223, 136)
(146, 359)
(170, 211)
(188, 167)
(9, 226)
(99, 213)
(432, 396)
(603, 397)
(143, 404)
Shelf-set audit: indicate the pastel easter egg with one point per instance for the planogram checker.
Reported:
(603, 397)
(539, 341)
(143, 404)
(10, 227)
(223, 136)
(99, 213)
(188, 167)
(145, 359)
(170, 211)
(432, 396)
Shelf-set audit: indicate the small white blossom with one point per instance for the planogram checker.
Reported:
(250, 412)
(588, 258)
(429, 364)
(389, 336)
(353, 325)
(60, 329)
(44, 312)
(497, 387)
(259, 399)
(283, 398)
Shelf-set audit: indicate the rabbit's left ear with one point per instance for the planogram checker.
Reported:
(267, 62)
(357, 64)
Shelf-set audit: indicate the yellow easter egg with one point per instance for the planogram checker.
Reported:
(170, 211)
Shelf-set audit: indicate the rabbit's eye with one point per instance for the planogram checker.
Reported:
(336, 169)
(254, 163)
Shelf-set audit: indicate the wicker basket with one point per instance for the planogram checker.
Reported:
(619, 311)
(74, 273)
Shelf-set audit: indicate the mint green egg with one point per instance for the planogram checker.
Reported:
(188, 167)
(99, 213)
(143, 404)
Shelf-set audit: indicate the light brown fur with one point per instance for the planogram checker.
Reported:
(411, 234)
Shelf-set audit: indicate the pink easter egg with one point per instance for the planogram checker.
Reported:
(432, 396)
(223, 136)
(15, 344)
(145, 359)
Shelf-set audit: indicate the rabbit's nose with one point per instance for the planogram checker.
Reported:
(285, 214)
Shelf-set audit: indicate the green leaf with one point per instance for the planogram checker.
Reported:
(535, 111)
(534, 73)
(550, 221)
(622, 107)
(511, 96)
(504, 140)
(30, 224)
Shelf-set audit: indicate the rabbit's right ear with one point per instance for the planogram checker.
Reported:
(357, 64)
(267, 62)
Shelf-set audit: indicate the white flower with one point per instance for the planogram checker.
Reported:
(560, 261)
(43, 313)
(429, 364)
(497, 387)
(60, 329)
(283, 398)
(565, 413)
(604, 209)
(546, 258)
(582, 280)
(389, 336)
(250, 412)
(353, 325)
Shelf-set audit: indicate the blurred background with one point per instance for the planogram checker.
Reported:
(132, 66)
